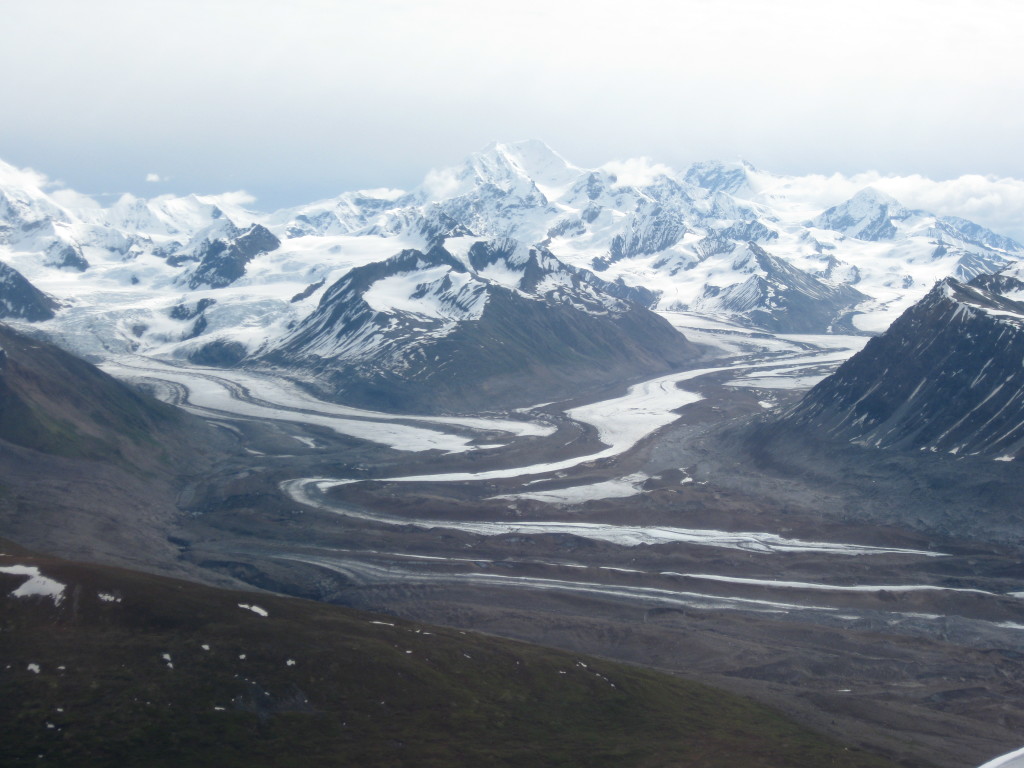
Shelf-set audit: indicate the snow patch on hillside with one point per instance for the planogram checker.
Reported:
(37, 584)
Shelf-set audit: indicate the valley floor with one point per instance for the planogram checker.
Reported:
(656, 526)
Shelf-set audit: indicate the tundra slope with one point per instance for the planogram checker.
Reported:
(208, 677)
(89, 467)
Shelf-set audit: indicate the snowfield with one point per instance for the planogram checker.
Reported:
(716, 244)
(37, 584)
(1012, 760)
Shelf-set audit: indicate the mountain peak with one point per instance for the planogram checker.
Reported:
(868, 215)
(977, 296)
(874, 196)
(718, 176)
(530, 159)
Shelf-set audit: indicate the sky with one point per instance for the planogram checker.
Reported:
(299, 101)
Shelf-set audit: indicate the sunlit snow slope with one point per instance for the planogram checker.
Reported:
(375, 290)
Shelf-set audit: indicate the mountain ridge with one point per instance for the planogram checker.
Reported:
(713, 239)
(545, 330)
(944, 377)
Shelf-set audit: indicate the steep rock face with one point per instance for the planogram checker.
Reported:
(779, 297)
(21, 300)
(223, 261)
(652, 228)
(947, 376)
(501, 326)
(66, 256)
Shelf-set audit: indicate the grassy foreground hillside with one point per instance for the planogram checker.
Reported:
(129, 669)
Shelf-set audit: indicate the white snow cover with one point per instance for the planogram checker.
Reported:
(37, 584)
(423, 293)
(255, 609)
(1013, 759)
(663, 225)
(629, 485)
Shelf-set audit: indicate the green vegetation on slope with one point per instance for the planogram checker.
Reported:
(53, 402)
(139, 670)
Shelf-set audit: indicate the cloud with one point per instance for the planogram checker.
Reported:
(441, 183)
(23, 177)
(154, 178)
(992, 201)
(636, 172)
(237, 197)
(997, 203)
(69, 198)
(796, 85)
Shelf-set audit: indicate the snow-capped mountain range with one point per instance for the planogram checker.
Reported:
(373, 280)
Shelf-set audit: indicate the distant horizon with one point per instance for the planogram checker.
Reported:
(301, 102)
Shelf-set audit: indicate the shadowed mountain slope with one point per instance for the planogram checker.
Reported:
(90, 467)
(946, 377)
(426, 332)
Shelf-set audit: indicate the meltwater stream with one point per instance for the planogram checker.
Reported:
(620, 423)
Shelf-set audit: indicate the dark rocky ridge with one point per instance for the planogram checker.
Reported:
(223, 261)
(90, 467)
(522, 349)
(66, 256)
(22, 300)
(946, 376)
(786, 299)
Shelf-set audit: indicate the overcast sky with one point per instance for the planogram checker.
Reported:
(302, 100)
